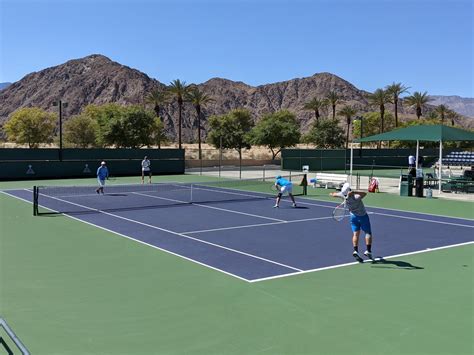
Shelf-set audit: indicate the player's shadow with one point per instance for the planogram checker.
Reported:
(382, 263)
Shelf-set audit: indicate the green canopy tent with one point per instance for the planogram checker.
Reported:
(429, 133)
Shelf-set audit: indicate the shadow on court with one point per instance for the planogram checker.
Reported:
(382, 263)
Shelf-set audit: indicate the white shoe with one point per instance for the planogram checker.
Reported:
(368, 254)
(294, 205)
(357, 256)
(276, 206)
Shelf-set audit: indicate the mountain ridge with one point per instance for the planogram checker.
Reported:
(96, 79)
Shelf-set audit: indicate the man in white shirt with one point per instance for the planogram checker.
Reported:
(146, 169)
(411, 166)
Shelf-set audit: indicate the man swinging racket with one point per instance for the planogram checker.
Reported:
(282, 185)
(359, 218)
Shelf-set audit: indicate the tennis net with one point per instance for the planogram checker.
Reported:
(85, 199)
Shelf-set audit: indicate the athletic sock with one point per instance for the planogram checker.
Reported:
(356, 249)
(369, 248)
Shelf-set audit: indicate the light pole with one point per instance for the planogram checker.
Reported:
(361, 119)
(60, 105)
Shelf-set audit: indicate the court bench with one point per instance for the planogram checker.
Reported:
(328, 180)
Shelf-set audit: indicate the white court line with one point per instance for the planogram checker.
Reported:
(176, 233)
(211, 207)
(271, 277)
(427, 250)
(256, 225)
(375, 207)
(130, 238)
(423, 220)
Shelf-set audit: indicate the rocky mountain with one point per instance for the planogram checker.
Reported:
(462, 105)
(91, 80)
(4, 85)
(97, 80)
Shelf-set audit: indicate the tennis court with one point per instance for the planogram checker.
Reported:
(126, 273)
(230, 227)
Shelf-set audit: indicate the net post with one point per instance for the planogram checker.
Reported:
(305, 184)
(191, 196)
(35, 200)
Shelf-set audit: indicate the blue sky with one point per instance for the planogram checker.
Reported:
(425, 44)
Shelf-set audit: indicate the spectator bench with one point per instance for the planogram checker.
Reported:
(328, 180)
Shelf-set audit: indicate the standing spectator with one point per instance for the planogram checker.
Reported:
(102, 174)
(146, 169)
(411, 165)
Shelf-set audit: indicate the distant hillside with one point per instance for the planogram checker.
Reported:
(462, 105)
(96, 79)
(4, 85)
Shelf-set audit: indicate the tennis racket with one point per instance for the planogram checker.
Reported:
(275, 188)
(340, 212)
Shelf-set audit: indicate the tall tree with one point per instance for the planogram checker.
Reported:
(276, 131)
(157, 98)
(31, 125)
(442, 110)
(199, 99)
(105, 116)
(332, 99)
(452, 115)
(348, 111)
(179, 90)
(395, 90)
(81, 131)
(418, 100)
(315, 105)
(232, 130)
(379, 98)
(325, 134)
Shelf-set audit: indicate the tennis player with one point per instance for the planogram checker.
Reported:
(102, 174)
(359, 219)
(283, 186)
(146, 169)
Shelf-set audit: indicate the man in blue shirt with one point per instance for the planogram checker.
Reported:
(283, 186)
(102, 174)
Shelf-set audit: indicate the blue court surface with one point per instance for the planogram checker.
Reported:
(247, 238)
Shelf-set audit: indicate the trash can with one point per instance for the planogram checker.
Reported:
(419, 187)
(406, 185)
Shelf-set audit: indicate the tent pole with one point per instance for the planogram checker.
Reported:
(417, 150)
(352, 159)
(440, 163)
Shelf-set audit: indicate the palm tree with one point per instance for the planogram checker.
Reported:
(179, 90)
(395, 90)
(315, 105)
(452, 115)
(418, 100)
(348, 112)
(442, 110)
(199, 99)
(157, 98)
(333, 98)
(379, 98)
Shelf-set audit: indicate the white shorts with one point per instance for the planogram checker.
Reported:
(101, 182)
(287, 188)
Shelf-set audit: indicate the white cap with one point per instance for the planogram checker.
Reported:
(103, 163)
(345, 189)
